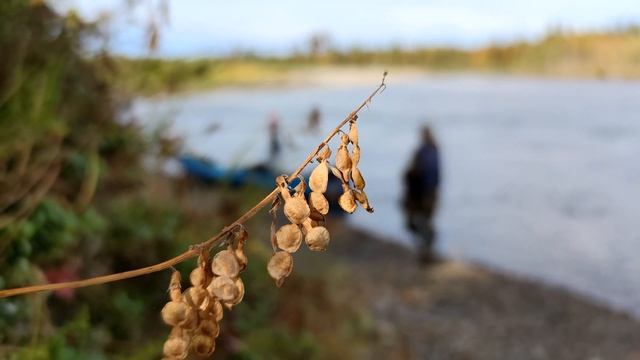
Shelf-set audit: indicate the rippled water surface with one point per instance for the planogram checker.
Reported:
(541, 177)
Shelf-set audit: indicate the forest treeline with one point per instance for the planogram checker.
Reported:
(609, 54)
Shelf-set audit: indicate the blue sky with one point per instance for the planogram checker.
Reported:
(212, 27)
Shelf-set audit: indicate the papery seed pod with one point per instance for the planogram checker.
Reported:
(280, 266)
(203, 345)
(241, 256)
(198, 277)
(361, 197)
(318, 202)
(225, 264)
(301, 188)
(209, 327)
(324, 154)
(179, 332)
(337, 173)
(344, 139)
(240, 234)
(347, 200)
(284, 188)
(353, 132)
(216, 310)
(358, 180)
(307, 225)
(355, 156)
(316, 218)
(343, 162)
(317, 238)
(223, 288)
(191, 322)
(235, 301)
(319, 177)
(176, 348)
(296, 210)
(289, 238)
(274, 218)
(175, 313)
(196, 297)
(175, 288)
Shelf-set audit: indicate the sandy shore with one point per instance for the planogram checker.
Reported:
(452, 310)
(352, 75)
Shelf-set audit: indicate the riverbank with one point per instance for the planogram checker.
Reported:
(610, 54)
(367, 298)
(455, 310)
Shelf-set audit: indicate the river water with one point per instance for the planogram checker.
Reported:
(540, 177)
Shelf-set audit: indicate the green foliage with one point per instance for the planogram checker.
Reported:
(100, 214)
(153, 76)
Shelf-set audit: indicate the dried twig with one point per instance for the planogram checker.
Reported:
(196, 250)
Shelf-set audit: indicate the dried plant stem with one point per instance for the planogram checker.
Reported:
(196, 249)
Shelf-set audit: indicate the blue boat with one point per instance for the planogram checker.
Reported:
(261, 175)
(209, 172)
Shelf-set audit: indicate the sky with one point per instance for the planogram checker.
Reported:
(213, 27)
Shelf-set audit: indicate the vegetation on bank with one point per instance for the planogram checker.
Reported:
(614, 54)
(77, 200)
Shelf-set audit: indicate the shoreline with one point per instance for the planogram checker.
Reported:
(353, 75)
(457, 309)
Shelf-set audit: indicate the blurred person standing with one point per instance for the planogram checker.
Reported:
(313, 121)
(421, 184)
(275, 147)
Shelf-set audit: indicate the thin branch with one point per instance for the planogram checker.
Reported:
(194, 250)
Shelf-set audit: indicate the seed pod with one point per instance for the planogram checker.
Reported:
(296, 210)
(289, 238)
(325, 154)
(274, 217)
(353, 133)
(225, 264)
(347, 201)
(361, 197)
(337, 173)
(176, 348)
(223, 288)
(319, 177)
(191, 322)
(175, 313)
(178, 332)
(343, 162)
(203, 345)
(301, 188)
(241, 256)
(198, 277)
(355, 155)
(235, 301)
(215, 310)
(196, 297)
(316, 217)
(209, 327)
(284, 188)
(280, 266)
(175, 288)
(358, 180)
(317, 238)
(318, 202)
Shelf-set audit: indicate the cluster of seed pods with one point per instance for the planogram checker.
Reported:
(347, 171)
(307, 216)
(195, 314)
